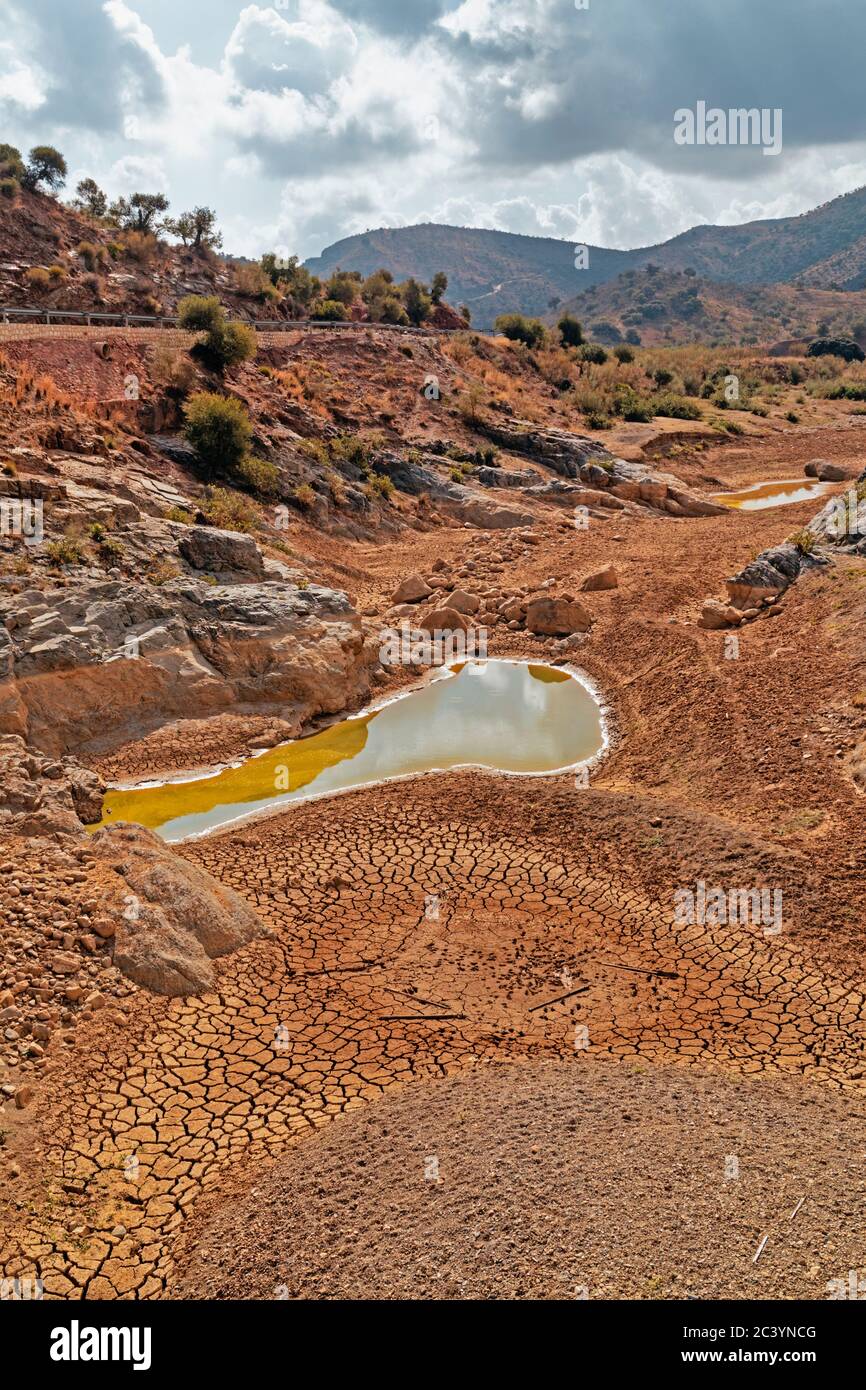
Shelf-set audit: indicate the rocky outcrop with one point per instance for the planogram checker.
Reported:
(90, 667)
(588, 461)
(489, 517)
(177, 919)
(221, 552)
(766, 577)
(42, 796)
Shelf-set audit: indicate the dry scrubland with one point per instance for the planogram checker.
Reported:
(159, 1145)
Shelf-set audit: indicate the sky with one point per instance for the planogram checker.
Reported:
(305, 121)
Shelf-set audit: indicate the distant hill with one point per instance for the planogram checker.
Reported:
(500, 272)
(665, 307)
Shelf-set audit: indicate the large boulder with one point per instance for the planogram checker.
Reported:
(827, 472)
(221, 552)
(177, 919)
(557, 617)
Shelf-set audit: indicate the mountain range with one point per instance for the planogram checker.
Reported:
(496, 272)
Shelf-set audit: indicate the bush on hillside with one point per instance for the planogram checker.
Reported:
(845, 348)
(520, 329)
(219, 430)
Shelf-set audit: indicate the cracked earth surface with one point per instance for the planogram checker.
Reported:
(362, 987)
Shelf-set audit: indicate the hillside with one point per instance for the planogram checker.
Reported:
(499, 272)
(672, 307)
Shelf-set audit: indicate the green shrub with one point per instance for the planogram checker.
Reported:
(379, 485)
(92, 256)
(804, 541)
(329, 311)
(520, 329)
(8, 188)
(219, 430)
(676, 407)
(570, 331)
(67, 551)
(262, 477)
(304, 496)
(592, 352)
(845, 348)
(229, 511)
(622, 353)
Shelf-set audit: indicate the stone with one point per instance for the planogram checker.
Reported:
(827, 472)
(209, 548)
(185, 917)
(444, 620)
(552, 617)
(606, 578)
(463, 601)
(412, 590)
(718, 615)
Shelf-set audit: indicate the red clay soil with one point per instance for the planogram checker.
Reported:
(735, 772)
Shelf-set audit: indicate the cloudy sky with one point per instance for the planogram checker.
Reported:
(306, 120)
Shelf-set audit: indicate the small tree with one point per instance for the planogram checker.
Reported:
(570, 331)
(219, 430)
(344, 286)
(465, 312)
(90, 198)
(140, 213)
(196, 228)
(45, 166)
(329, 311)
(845, 348)
(11, 163)
(416, 300)
(438, 286)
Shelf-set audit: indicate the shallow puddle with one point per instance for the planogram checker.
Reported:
(779, 493)
(505, 715)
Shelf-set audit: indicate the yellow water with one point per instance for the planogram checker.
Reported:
(505, 715)
(775, 494)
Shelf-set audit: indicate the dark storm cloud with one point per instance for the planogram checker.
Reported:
(611, 77)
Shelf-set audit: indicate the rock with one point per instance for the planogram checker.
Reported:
(444, 620)
(827, 472)
(480, 512)
(23, 1097)
(717, 615)
(185, 917)
(412, 590)
(464, 602)
(551, 617)
(767, 576)
(208, 548)
(133, 657)
(63, 963)
(606, 578)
